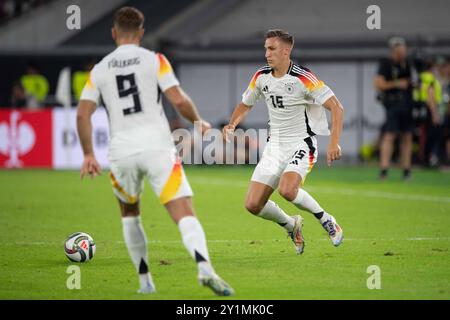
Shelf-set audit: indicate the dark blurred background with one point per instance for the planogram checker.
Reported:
(215, 47)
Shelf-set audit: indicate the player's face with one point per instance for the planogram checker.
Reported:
(276, 52)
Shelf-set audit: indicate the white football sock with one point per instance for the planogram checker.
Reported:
(273, 212)
(136, 242)
(303, 200)
(195, 242)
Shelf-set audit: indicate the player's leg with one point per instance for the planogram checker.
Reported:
(294, 176)
(182, 212)
(257, 202)
(387, 140)
(406, 127)
(447, 151)
(447, 140)
(127, 186)
(257, 196)
(406, 153)
(136, 242)
(263, 182)
(168, 180)
(386, 150)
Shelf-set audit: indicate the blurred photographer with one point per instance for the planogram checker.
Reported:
(393, 82)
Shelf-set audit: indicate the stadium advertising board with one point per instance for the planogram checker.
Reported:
(48, 139)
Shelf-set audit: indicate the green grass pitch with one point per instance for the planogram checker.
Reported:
(404, 228)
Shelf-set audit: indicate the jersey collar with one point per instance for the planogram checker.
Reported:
(290, 68)
(288, 72)
(125, 46)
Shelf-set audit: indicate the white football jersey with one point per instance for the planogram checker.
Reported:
(130, 80)
(294, 102)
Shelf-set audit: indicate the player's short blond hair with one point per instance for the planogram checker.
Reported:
(280, 34)
(128, 19)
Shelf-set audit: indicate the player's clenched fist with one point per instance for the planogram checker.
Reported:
(228, 132)
(333, 153)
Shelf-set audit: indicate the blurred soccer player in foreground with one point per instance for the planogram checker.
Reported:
(130, 81)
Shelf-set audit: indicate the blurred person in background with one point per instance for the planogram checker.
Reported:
(393, 82)
(20, 99)
(10, 9)
(428, 96)
(35, 83)
(80, 78)
(442, 148)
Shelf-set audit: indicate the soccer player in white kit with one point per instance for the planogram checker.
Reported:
(130, 81)
(294, 97)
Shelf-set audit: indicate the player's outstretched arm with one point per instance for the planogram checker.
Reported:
(239, 114)
(185, 106)
(337, 120)
(84, 126)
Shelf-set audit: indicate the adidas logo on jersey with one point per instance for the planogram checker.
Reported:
(265, 89)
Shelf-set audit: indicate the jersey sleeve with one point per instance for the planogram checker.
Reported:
(166, 77)
(90, 90)
(315, 88)
(251, 96)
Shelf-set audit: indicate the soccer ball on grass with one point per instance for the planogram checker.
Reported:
(79, 247)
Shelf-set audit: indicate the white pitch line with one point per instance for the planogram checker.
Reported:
(37, 243)
(346, 192)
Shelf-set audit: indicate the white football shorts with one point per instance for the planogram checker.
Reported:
(162, 168)
(280, 157)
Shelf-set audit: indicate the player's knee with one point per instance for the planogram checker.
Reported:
(253, 207)
(129, 209)
(288, 193)
(389, 136)
(129, 213)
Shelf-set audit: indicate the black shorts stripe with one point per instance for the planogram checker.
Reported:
(310, 145)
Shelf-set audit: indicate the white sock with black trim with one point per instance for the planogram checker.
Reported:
(195, 242)
(136, 242)
(273, 212)
(304, 200)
